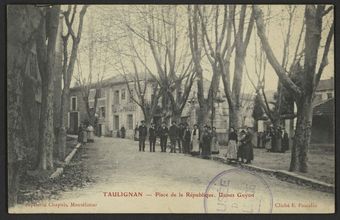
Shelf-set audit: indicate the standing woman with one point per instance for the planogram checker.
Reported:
(268, 140)
(248, 152)
(84, 134)
(232, 145)
(285, 142)
(206, 141)
(80, 133)
(240, 150)
(195, 141)
(214, 143)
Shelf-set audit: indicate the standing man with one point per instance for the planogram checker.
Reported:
(142, 130)
(173, 134)
(180, 137)
(163, 134)
(152, 137)
(186, 139)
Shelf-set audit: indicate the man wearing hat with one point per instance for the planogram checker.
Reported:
(152, 137)
(181, 130)
(142, 130)
(163, 134)
(173, 135)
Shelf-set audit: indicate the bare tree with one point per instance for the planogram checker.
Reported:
(97, 53)
(45, 42)
(68, 67)
(196, 40)
(219, 49)
(174, 75)
(277, 112)
(303, 93)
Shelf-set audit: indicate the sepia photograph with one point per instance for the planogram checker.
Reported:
(170, 108)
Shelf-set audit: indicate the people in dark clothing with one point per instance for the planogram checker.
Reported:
(143, 132)
(206, 141)
(173, 135)
(279, 139)
(152, 137)
(180, 136)
(80, 134)
(285, 142)
(240, 151)
(186, 139)
(122, 132)
(135, 136)
(248, 153)
(163, 134)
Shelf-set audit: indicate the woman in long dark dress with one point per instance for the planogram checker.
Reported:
(80, 134)
(285, 142)
(240, 150)
(206, 141)
(248, 153)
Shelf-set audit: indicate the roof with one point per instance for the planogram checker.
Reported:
(326, 84)
(119, 79)
(324, 108)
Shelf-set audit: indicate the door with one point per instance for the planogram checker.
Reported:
(116, 122)
(74, 122)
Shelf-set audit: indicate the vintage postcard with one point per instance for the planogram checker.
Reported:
(170, 108)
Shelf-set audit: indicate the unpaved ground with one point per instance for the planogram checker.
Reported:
(117, 166)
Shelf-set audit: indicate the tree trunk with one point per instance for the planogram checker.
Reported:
(234, 118)
(204, 114)
(64, 106)
(302, 135)
(46, 129)
(46, 59)
(14, 116)
(22, 23)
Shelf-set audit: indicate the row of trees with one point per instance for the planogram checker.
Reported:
(182, 47)
(36, 27)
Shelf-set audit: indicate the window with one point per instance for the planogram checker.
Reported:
(102, 112)
(116, 98)
(116, 122)
(329, 95)
(123, 94)
(92, 93)
(74, 103)
(130, 121)
(131, 95)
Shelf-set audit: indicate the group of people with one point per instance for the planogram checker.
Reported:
(274, 140)
(85, 133)
(240, 146)
(188, 140)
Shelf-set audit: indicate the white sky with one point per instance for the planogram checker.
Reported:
(107, 21)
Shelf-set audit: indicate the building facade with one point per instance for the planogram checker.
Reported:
(116, 108)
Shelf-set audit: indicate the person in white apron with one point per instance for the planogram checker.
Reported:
(232, 145)
(195, 141)
(90, 133)
(214, 143)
